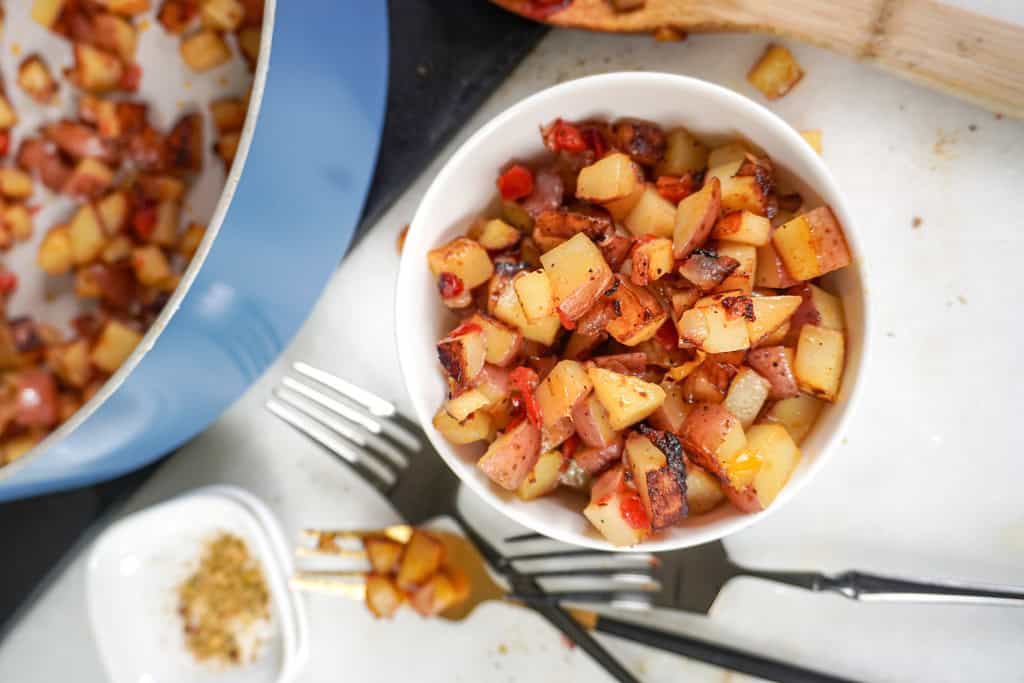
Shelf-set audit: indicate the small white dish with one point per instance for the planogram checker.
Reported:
(136, 566)
(465, 189)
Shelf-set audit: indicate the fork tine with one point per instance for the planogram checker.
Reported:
(627, 600)
(392, 424)
(639, 558)
(378, 474)
(353, 587)
(337, 424)
(375, 404)
(520, 538)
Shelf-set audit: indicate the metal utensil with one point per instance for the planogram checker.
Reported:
(691, 579)
(392, 454)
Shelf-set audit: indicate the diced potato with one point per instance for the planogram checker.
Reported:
(715, 328)
(627, 399)
(578, 274)
(742, 278)
(729, 153)
(15, 183)
(543, 478)
(660, 480)
(422, 558)
(796, 414)
(813, 138)
(87, 286)
(465, 259)
(35, 79)
(96, 71)
(56, 255)
(592, 423)
(779, 336)
(770, 313)
(611, 178)
(249, 43)
(8, 117)
(496, 235)
(671, 414)
(71, 362)
(608, 500)
(703, 491)
(511, 457)
(534, 292)
(204, 50)
(117, 35)
(713, 437)
(775, 364)
(115, 344)
(113, 212)
(706, 269)
(503, 304)
(770, 270)
(221, 15)
(652, 215)
(741, 192)
(776, 72)
(89, 178)
(434, 596)
(117, 249)
(46, 12)
(228, 114)
(102, 113)
(382, 596)
(502, 342)
(779, 457)
(150, 265)
(744, 227)
(651, 260)
(695, 217)
(818, 366)
(177, 15)
(162, 188)
(462, 354)
(227, 147)
(812, 244)
(561, 391)
(476, 427)
(747, 395)
(384, 554)
(817, 307)
(683, 154)
(18, 446)
(636, 314)
(87, 235)
(17, 220)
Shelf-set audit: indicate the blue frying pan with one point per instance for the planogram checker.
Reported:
(265, 260)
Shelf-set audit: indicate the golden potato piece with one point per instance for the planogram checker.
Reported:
(776, 72)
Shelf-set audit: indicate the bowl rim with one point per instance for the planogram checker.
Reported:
(824, 184)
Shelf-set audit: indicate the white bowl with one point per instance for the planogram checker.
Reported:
(465, 188)
(136, 565)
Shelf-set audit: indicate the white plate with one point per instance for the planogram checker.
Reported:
(137, 564)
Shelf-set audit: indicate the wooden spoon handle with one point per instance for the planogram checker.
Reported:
(959, 52)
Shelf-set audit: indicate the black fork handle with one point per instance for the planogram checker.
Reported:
(713, 653)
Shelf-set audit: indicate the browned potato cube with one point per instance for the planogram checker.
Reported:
(744, 227)
(651, 260)
(578, 274)
(71, 362)
(818, 366)
(812, 244)
(636, 314)
(228, 114)
(165, 232)
(17, 220)
(703, 491)
(462, 354)
(683, 154)
(796, 414)
(435, 595)
(190, 239)
(771, 272)
(176, 15)
(384, 554)
(113, 212)
(776, 72)
(695, 217)
(126, 7)
(221, 15)
(150, 265)
(8, 117)
(465, 259)
(742, 278)
(614, 178)
(35, 79)
(627, 399)
(118, 249)
(249, 44)
(102, 114)
(55, 252)
(476, 427)
(770, 313)
(87, 235)
(96, 71)
(227, 147)
(204, 50)
(115, 35)
(496, 235)
(511, 457)
(713, 437)
(652, 215)
(382, 596)
(162, 188)
(89, 178)
(557, 395)
(115, 344)
(46, 12)
(660, 480)
(423, 556)
(534, 292)
(15, 183)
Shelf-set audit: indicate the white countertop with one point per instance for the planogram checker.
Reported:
(927, 482)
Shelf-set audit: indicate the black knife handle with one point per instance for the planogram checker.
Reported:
(712, 653)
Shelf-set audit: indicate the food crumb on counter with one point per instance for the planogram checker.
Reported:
(916, 222)
(972, 127)
(400, 240)
(962, 299)
(502, 649)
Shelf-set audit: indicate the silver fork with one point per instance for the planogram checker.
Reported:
(394, 455)
(391, 453)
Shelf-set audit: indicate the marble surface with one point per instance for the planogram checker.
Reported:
(926, 483)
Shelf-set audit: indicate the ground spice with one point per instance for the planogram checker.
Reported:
(226, 594)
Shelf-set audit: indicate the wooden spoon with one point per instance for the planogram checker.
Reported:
(958, 52)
